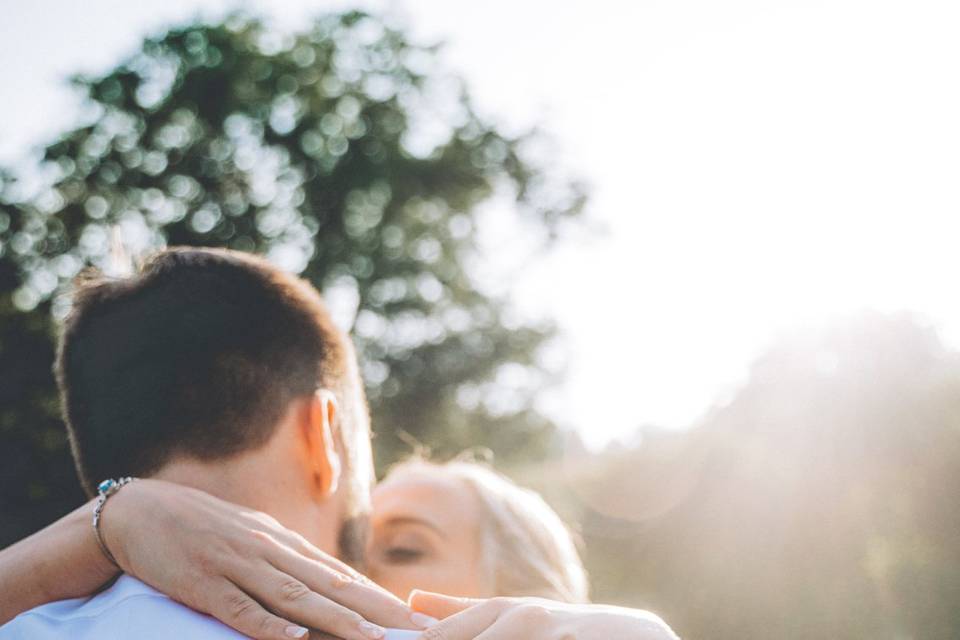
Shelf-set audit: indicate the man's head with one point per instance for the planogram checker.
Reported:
(202, 356)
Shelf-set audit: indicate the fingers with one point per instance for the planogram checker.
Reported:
(236, 609)
(470, 623)
(276, 540)
(528, 620)
(438, 605)
(347, 589)
(292, 540)
(293, 599)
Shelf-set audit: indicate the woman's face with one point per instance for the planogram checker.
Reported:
(426, 535)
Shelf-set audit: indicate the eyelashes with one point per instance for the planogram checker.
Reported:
(403, 555)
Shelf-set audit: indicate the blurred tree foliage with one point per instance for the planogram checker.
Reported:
(820, 502)
(345, 153)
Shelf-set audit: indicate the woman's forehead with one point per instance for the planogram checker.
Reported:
(424, 490)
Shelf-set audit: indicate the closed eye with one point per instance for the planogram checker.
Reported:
(403, 555)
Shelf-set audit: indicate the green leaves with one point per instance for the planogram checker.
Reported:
(343, 152)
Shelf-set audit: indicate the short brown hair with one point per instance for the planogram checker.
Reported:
(198, 354)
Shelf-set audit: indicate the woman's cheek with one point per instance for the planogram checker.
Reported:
(400, 580)
(449, 578)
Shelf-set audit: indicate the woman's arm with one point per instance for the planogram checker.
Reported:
(59, 562)
(238, 565)
(536, 619)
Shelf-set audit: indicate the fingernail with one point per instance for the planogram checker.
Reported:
(295, 632)
(371, 630)
(422, 620)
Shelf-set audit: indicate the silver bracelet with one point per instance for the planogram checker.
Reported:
(106, 489)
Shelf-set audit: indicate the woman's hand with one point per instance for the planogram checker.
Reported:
(242, 566)
(534, 619)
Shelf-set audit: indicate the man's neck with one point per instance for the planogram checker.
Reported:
(265, 482)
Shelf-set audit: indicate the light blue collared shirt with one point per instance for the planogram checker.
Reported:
(128, 609)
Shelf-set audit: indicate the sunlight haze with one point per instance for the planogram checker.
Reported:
(754, 167)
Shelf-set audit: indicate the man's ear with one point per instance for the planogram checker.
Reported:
(322, 416)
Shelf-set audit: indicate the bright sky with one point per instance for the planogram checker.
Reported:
(759, 165)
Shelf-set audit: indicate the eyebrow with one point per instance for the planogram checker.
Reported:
(401, 520)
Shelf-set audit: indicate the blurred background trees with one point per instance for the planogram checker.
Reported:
(818, 501)
(344, 153)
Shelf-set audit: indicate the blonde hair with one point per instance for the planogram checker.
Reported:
(525, 547)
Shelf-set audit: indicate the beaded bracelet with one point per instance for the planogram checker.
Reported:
(104, 490)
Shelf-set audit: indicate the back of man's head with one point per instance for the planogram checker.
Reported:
(198, 355)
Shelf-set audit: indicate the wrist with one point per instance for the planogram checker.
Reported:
(98, 564)
(110, 529)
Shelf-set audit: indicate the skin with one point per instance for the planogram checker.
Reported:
(231, 561)
(171, 531)
(535, 619)
(243, 566)
(426, 535)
